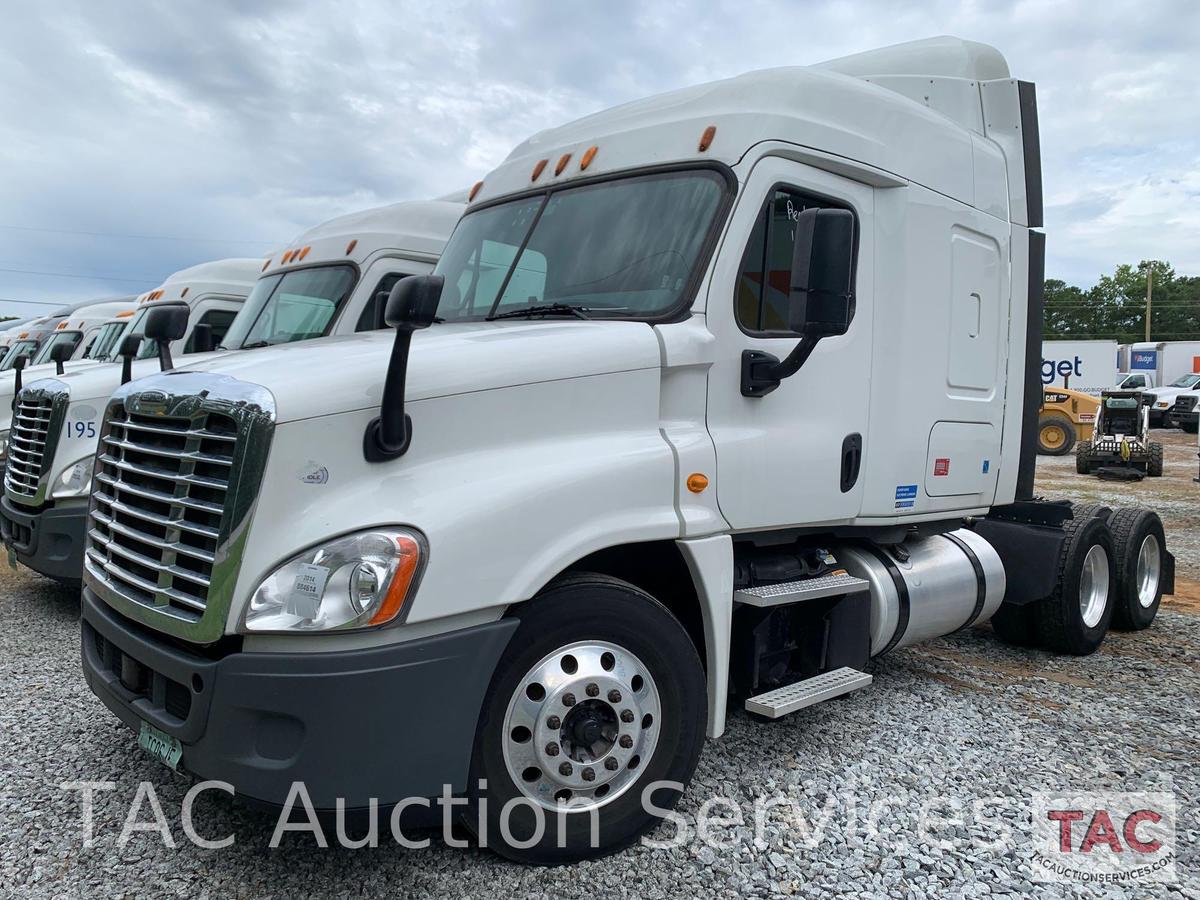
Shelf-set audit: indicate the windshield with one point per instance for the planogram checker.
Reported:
(104, 346)
(1186, 381)
(625, 248)
(60, 337)
(294, 306)
(17, 349)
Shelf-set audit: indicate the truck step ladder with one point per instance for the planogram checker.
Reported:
(808, 692)
(796, 591)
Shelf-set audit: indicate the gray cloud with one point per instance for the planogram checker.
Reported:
(241, 124)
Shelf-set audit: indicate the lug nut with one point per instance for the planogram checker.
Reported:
(589, 774)
(554, 723)
(593, 690)
(552, 749)
(626, 715)
(568, 699)
(611, 764)
(626, 742)
(565, 769)
(614, 696)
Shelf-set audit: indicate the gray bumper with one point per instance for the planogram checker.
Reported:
(48, 540)
(386, 723)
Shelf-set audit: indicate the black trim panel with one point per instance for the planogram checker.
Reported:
(1033, 365)
(1031, 150)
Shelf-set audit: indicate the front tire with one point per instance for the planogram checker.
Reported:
(1138, 544)
(1083, 462)
(1074, 619)
(599, 694)
(1056, 435)
(1154, 466)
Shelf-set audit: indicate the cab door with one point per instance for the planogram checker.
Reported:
(794, 456)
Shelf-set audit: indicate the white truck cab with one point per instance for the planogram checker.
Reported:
(1134, 381)
(629, 453)
(328, 282)
(1161, 401)
(84, 333)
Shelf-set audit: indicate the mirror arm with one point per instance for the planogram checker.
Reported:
(388, 435)
(762, 372)
(165, 362)
(18, 365)
(58, 367)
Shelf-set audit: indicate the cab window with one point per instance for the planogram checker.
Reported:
(371, 318)
(763, 290)
(219, 321)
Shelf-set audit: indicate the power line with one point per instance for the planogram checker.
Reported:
(32, 302)
(139, 237)
(84, 276)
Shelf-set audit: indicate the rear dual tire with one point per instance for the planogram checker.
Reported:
(1139, 547)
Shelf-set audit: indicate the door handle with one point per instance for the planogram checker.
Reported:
(851, 460)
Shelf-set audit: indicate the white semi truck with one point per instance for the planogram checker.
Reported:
(329, 281)
(720, 393)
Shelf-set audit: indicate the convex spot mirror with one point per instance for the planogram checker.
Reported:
(821, 302)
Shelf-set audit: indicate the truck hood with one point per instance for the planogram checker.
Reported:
(343, 374)
(93, 381)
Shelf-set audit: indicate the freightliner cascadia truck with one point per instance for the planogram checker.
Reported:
(718, 394)
(331, 279)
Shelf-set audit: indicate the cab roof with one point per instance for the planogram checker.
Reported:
(415, 229)
(223, 276)
(859, 109)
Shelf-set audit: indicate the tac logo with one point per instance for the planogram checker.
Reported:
(1113, 838)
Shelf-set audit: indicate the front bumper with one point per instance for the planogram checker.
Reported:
(1179, 419)
(384, 723)
(48, 540)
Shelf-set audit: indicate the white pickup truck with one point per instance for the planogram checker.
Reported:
(630, 452)
(1161, 401)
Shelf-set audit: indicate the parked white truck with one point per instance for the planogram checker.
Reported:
(726, 390)
(330, 280)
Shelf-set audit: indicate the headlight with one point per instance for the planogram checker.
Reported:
(358, 581)
(4, 446)
(75, 481)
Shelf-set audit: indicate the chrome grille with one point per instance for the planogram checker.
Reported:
(1185, 404)
(34, 431)
(160, 491)
(178, 469)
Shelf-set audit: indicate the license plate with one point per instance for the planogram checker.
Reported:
(160, 745)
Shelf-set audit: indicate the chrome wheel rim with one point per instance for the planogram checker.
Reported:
(581, 726)
(1093, 586)
(1149, 571)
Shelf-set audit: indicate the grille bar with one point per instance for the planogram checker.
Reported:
(158, 504)
(31, 432)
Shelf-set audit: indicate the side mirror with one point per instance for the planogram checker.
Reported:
(59, 354)
(821, 302)
(821, 299)
(202, 338)
(129, 350)
(411, 305)
(166, 322)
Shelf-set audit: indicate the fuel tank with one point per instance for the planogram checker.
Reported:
(926, 587)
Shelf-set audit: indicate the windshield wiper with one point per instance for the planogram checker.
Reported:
(255, 345)
(546, 309)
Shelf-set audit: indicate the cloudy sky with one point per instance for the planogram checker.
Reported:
(142, 137)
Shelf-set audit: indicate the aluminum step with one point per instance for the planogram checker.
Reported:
(808, 692)
(795, 591)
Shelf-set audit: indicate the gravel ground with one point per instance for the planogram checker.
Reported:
(961, 720)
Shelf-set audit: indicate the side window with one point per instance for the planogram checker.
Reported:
(372, 314)
(764, 282)
(217, 319)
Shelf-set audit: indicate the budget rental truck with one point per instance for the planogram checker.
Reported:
(329, 280)
(719, 394)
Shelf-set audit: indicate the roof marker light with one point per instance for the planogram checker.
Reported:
(350, 246)
(124, 315)
(304, 252)
(588, 156)
(538, 169)
(266, 264)
(61, 325)
(474, 191)
(562, 163)
(697, 482)
(183, 293)
(706, 139)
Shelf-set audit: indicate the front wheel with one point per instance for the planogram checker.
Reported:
(1056, 435)
(599, 695)
(1154, 466)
